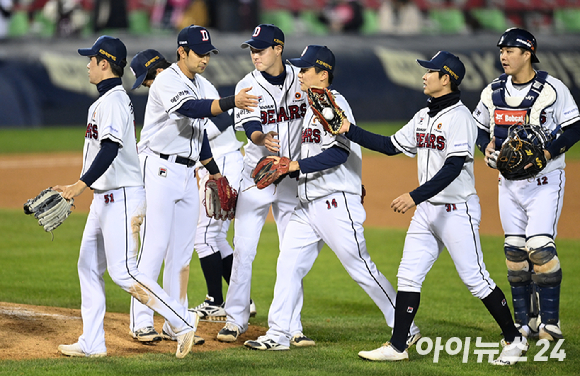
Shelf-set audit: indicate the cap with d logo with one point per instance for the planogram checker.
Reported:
(264, 36)
(197, 39)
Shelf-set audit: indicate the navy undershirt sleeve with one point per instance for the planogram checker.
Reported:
(566, 140)
(205, 152)
(450, 170)
(372, 141)
(104, 158)
(196, 108)
(483, 139)
(327, 159)
(222, 121)
(251, 127)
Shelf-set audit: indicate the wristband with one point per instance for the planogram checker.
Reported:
(212, 167)
(227, 103)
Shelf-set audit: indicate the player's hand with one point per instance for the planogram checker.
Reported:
(491, 154)
(403, 203)
(345, 126)
(215, 177)
(267, 139)
(70, 191)
(246, 101)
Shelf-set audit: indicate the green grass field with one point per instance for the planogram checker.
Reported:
(337, 313)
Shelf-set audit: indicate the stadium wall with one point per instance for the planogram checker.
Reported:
(44, 82)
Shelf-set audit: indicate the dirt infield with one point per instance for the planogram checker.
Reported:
(36, 332)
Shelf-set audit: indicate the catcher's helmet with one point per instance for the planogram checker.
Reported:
(516, 37)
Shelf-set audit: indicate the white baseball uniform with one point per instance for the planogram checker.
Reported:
(280, 109)
(330, 211)
(450, 219)
(110, 239)
(554, 107)
(169, 148)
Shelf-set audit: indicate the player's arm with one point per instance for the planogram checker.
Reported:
(255, 133)
(449, 172)
(369, 140)
(567, 139)
(329, 158)
(242, 100)
(206, 159)
(102, 161)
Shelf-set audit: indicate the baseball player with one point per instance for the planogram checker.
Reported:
(330, 211)
(442, 135)
(274, 130)
(211, 233)
(173, 140)
(110, 239)
(529, 209)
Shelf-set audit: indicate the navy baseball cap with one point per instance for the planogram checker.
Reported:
(197, 39)
(141, 63)
(108, 47)
(447, 62)
(265, 35)
(315, 56)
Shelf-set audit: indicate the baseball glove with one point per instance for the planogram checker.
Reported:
(267, 171)
(220, 199)
(522, 154)
(328, 113)
(50, 208)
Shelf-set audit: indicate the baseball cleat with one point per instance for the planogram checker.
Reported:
(551, 332)
(184, 344)
(147, 334)
(229, 333)
(252, 308)
(76, 350)
(511, 352)
(300, 340)
(210, 312)
(385, 353)
(265, 343)
(412, 339)
(168, 337)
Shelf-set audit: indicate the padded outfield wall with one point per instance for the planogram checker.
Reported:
(44, 82)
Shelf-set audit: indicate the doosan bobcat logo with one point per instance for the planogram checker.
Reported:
(510, 117)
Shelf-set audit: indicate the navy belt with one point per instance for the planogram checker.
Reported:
(181, 160)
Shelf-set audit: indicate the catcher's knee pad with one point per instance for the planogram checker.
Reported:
(549, 274)
(541, 249)
(515, 249)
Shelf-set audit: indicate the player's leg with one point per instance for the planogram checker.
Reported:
(297, 255)
(178, 258)
(514, 221)
(251, 212)
(156, 230)
(121, 220)
(91, 267)
(282, 209)
(543, 215)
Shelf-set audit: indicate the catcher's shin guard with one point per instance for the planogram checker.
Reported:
(521, 298)
(548, 285)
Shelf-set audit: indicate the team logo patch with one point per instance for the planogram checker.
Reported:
(162, 172)
(439, 126)
(409, 309)
(298, 95)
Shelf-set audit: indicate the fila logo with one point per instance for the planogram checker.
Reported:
(257, 31)
(409, 309)
(503, 302)
(162, 172)
(204, 35)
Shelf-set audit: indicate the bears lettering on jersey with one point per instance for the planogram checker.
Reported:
(310, 135)
(92, 131)
(430, 141)
(284, 114)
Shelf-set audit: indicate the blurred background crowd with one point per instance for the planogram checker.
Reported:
(70, 18)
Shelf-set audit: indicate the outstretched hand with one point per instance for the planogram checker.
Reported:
(246, 101)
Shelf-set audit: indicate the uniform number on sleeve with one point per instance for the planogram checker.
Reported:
(109, 198)
(331, 204)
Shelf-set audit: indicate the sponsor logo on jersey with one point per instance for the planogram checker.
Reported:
(92, 131)
(505, 117)
(430, 141)
(292, 112)
(311, 136)
(180, 94)
(162, 172)
(260, 99)
(439, 126)
(298, 95)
